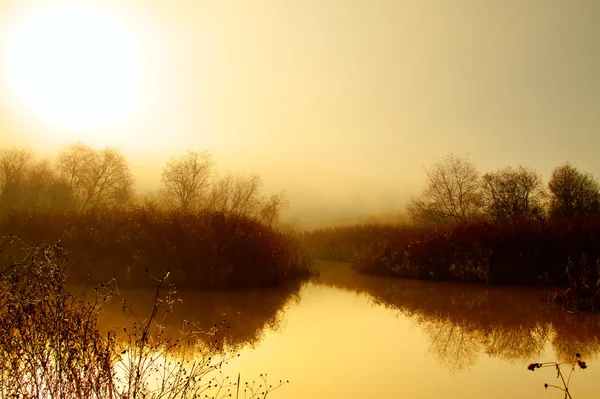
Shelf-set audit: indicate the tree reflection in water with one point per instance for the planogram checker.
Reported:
(232, 319)
(463, 321)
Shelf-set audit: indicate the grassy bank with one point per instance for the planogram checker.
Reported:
(201, 249)
(564, 253)
(523, 253)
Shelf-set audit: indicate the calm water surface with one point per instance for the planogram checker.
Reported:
(350, 336)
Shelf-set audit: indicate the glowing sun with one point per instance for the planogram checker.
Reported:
(73, 66)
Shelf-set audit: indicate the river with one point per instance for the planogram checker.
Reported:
(345, 335)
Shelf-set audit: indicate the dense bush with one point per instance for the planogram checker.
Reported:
(52, 345)
(520, 252)
(583, 293)
(342, 243)
(203, 249)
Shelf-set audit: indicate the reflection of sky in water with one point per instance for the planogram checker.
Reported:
(354, 336)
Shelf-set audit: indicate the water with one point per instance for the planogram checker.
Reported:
(350, 336)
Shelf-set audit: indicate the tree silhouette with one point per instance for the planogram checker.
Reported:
(453, 193)
(271, 208)
(513, 193)
(44, 189)
(14, 163)
(235, 194)
(186, 178)
(109, 181)
(96, 178)
(572, 192)
(72, 164)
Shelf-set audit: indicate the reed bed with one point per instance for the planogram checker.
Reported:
(558, 252)
(201, 249)
(343, 243)
(51, 344)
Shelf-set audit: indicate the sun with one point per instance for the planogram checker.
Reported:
(73, 66)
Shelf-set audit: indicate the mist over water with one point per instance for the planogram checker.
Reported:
(237, 149)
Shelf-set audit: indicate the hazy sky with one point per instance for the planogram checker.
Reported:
(342, 102)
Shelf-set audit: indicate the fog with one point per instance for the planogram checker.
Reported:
(340, 104)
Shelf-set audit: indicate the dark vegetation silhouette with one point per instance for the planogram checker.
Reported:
(241, 316)
(211, 231)
(52, 346)
(525, 252)
(564, 387)
(514, 194)
(453, 193)
(573, 192)
(342, 243)
(186, 179)
(95, 178)
(500, 228)
(202, 249)
(463, 321)
(82, 178)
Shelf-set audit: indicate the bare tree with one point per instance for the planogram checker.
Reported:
(14, 163)
(73, 165)
(271, 208)
(218, 197)
(245, 195)
(572, 192)
(108, 181)
(514, 193)
(151, 201)
(40, 186)
(186, 178)
(241, 195)
(96, 178)
(237, 194)
(453, 193)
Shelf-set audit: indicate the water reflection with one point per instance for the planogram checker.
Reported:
(241, 317)
(462, 321)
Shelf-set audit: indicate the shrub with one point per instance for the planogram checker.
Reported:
(521, 252)
(205, 249)
(343, 243)
(51, 345)
(559, 374)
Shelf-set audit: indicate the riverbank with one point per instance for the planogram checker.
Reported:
(200, 249)
(562, 253)
(513, 322)
(52, 343)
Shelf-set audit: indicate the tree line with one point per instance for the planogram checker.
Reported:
(456, 192)
(82, 178)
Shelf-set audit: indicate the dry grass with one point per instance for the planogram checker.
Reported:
(202, 249)
(559, 252)
(343, 243)
(51, 345)
(525, 252)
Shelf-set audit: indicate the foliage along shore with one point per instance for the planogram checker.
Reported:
(201, 249)
(462, 320)
(52, 344)
(502, 227)
(559, 252)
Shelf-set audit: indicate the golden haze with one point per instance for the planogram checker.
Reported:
(340, 103)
